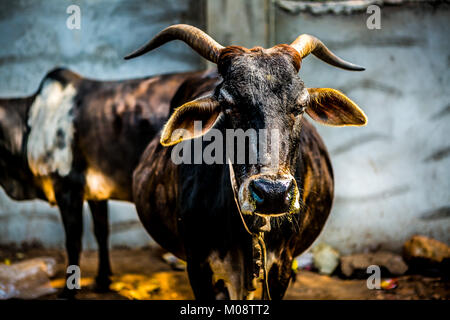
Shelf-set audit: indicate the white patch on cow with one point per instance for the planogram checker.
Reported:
(98, 186)
(232, 275)
(49, 146)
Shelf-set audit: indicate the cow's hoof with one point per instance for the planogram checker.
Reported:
(67, 294)
(102, 284)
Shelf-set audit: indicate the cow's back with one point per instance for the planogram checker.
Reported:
(115, 121)
(96, 129)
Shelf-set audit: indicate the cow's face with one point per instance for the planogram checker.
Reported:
(261, 94)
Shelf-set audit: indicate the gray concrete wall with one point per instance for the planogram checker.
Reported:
(392, 177)
(34, 39)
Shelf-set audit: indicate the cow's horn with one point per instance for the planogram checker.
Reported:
(198, 40)
(306, 44)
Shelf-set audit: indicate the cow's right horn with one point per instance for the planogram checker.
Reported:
(198, 40)
(306, 44)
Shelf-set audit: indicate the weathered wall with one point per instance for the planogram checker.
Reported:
(392, 177)
(34, 39)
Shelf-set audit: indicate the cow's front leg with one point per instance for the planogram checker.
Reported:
(99, 211)
(279, 277)
(200, 277)
(69, 198)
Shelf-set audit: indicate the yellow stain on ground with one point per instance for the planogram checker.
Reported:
(142, 287)
(160, 285)
(61, 282)
(135, 286)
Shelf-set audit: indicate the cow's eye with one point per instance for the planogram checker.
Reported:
(299, 111)
(226, 107)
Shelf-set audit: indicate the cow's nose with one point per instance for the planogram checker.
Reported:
(272, 196)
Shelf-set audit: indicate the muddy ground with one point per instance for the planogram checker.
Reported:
(143, 274)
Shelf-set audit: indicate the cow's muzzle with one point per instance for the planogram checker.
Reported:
(269, 195)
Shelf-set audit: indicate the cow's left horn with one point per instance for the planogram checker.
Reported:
(198, 40)
(306, 44)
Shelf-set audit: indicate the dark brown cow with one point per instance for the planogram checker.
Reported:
(240, 223)
(77, 139)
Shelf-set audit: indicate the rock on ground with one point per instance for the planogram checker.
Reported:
(427, 256)
(425, 248)
(357, 264)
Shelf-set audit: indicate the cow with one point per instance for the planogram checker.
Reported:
(237, 223)
(78, 139)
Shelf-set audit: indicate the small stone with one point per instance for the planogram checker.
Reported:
(326, 258)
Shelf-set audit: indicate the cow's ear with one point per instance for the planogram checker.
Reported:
(331, 107)
(193, 119)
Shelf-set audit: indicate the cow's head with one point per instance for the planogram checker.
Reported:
(260, 90)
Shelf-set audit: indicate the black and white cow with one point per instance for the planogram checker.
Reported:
(78, 139)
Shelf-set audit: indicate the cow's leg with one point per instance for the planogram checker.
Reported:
(69, 198)
(99, 211)
(200, 278)
(278, 280)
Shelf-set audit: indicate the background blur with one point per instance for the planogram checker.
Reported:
(392, 177)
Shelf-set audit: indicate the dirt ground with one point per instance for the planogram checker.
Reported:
(143, 274)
